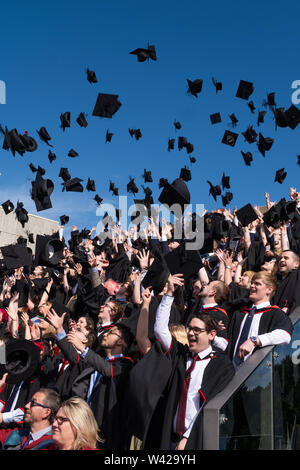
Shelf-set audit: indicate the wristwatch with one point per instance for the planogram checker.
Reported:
(254, 340)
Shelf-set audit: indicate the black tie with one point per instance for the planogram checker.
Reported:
(244, 336)
(11, 398)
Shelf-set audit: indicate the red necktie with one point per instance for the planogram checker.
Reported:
(180, 423)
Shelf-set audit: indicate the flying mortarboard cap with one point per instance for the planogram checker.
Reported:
(218, 85)
(195, 86)
(193, 160)
(16, 255)
(65, 120)
(147, 176)
(29, 142)
(90, 186)
(270, 100)
(280, 176)
(245, 89)
(73, 185)
(98, 199)
(41, 192)
(48, 251)
(246, 215)
(116, 191)
(251, 107)
(250, 135)
(31, 238)
(182, 142)
(144, 54)
(91, 76)
(72, 153)
(106, 105)
(64, 219)
(171, 143)
(261, 117)
(41, 170)
(177, 125)
(185, 174)
(215, 118)
(186, 262)
(298, 160)
(108, 136)
(8, 206)
(175, 193)
(64, 174)
(247, 157)
(225, 181)
(230, 138)
(189, 147)
(22, 360)
(234, 119)
(132, 187)
(227, 198)
(292, 116)
(21, 213)
(157, 275)
(44, 136)
(21, 240)
(51, 156)
(264, 144)
(81, 120)
(214, 190)
(32, 167)
(162, 182)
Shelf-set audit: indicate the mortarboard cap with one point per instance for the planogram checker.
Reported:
(72, 153)
(48, 251)
(65, 120)
(64, 174)
(90, 186)
(22, 360)
(193, 160)
(116, 191)
(292, 116)
(225, 181)
(251, 107)
(261, 117)
(234, 119)
(218, 85)
(194, 86)
(106, 105)
(246, 215)
(177, 125)
(230, 138)
(189, 147)
(98, 199)
(171, 143)
(64, 219)
(157, 275)
(280, 117)
(132, 187)
(245, 89)
(214, 190)
(186, 262)
(185, 174)
(21, 213)
(91, 76)
(145, 54)
(32, 167)
(264, 144)
(8, 206)
(147, 176)
(247, 157)
(81, 120)
(73, 185)
(41, 192)
(162, 183)
(29, 142)
(51, 156)
(215, 118)
(270, 100)
(44, 135)
(16, 255)
(250, 135)
(280, 176)
(227, 198)
(108, 136)
(175, 193)
(298, 160)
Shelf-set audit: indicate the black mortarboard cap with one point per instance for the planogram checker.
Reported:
(65, 120)
(72, 153)
(261, 117)
(48, 251)
(8, 206)
(280, 176)
(247, 156)
(16, 255)
(182, 142)
(218, 85)
(51, 156)
(29, 142)
(227, 198)
(162, 182)
(147, 176)
(186, 262)
(298, 160)
(21, 213)
(111, 186)
(270, 100)
(156, 276)
(73, 185)
(175, 193)
(246, 215)
(32, 167)
(189, 147)
(215, 118)
(225, 181)
(98, 199)
(234, 119)
(106, 105)
(132, 187)
(91, 76)
(245, 89)
(292, 116)
(64, 174)
(185, 174)
(31, 238)
(145, 54)
(214, 190)
(41, 192)
(230, 138)
(177, 125)
(44, 135)
(195, 86)
(64, 219)
(90, 186)
(193, 160)
(250, 135)
(108, 136)
(251, 107)
(272, 216)
(116, 191)
(81, 120)
(264, 144)
(22, 360)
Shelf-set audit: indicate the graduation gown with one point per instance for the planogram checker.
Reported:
(288, 292)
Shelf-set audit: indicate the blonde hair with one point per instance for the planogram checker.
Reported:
(250, 275)
(268, 279)
(83, 420)
(179, 332)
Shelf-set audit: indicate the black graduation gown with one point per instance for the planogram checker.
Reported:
(273, 318)
(164, 395)
(288, 292)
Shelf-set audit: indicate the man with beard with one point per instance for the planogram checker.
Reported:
(287, 294)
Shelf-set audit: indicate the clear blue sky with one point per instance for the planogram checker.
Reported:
(47, 47)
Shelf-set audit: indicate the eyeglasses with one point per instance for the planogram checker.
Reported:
(112, 332)
(195, 330)
(60, 420)
(36, 403)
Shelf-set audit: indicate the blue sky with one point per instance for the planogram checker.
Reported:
(46, 50)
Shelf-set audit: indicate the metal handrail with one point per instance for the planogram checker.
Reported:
(211, 412)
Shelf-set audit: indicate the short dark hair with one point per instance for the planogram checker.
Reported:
(51, 400)
(210, 323)
(126, 335)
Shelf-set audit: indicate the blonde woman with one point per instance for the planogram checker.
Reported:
(74, 426)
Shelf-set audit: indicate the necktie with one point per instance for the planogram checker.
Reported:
(244, 336)
(180, 423)
(11, 398)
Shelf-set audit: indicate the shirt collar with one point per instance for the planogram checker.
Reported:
(36, 435)
(209, 305)
(204, 353)
(261, 305)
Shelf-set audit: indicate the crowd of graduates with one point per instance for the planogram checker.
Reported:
(101, 333)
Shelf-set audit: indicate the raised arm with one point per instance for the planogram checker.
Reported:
(142, 328)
